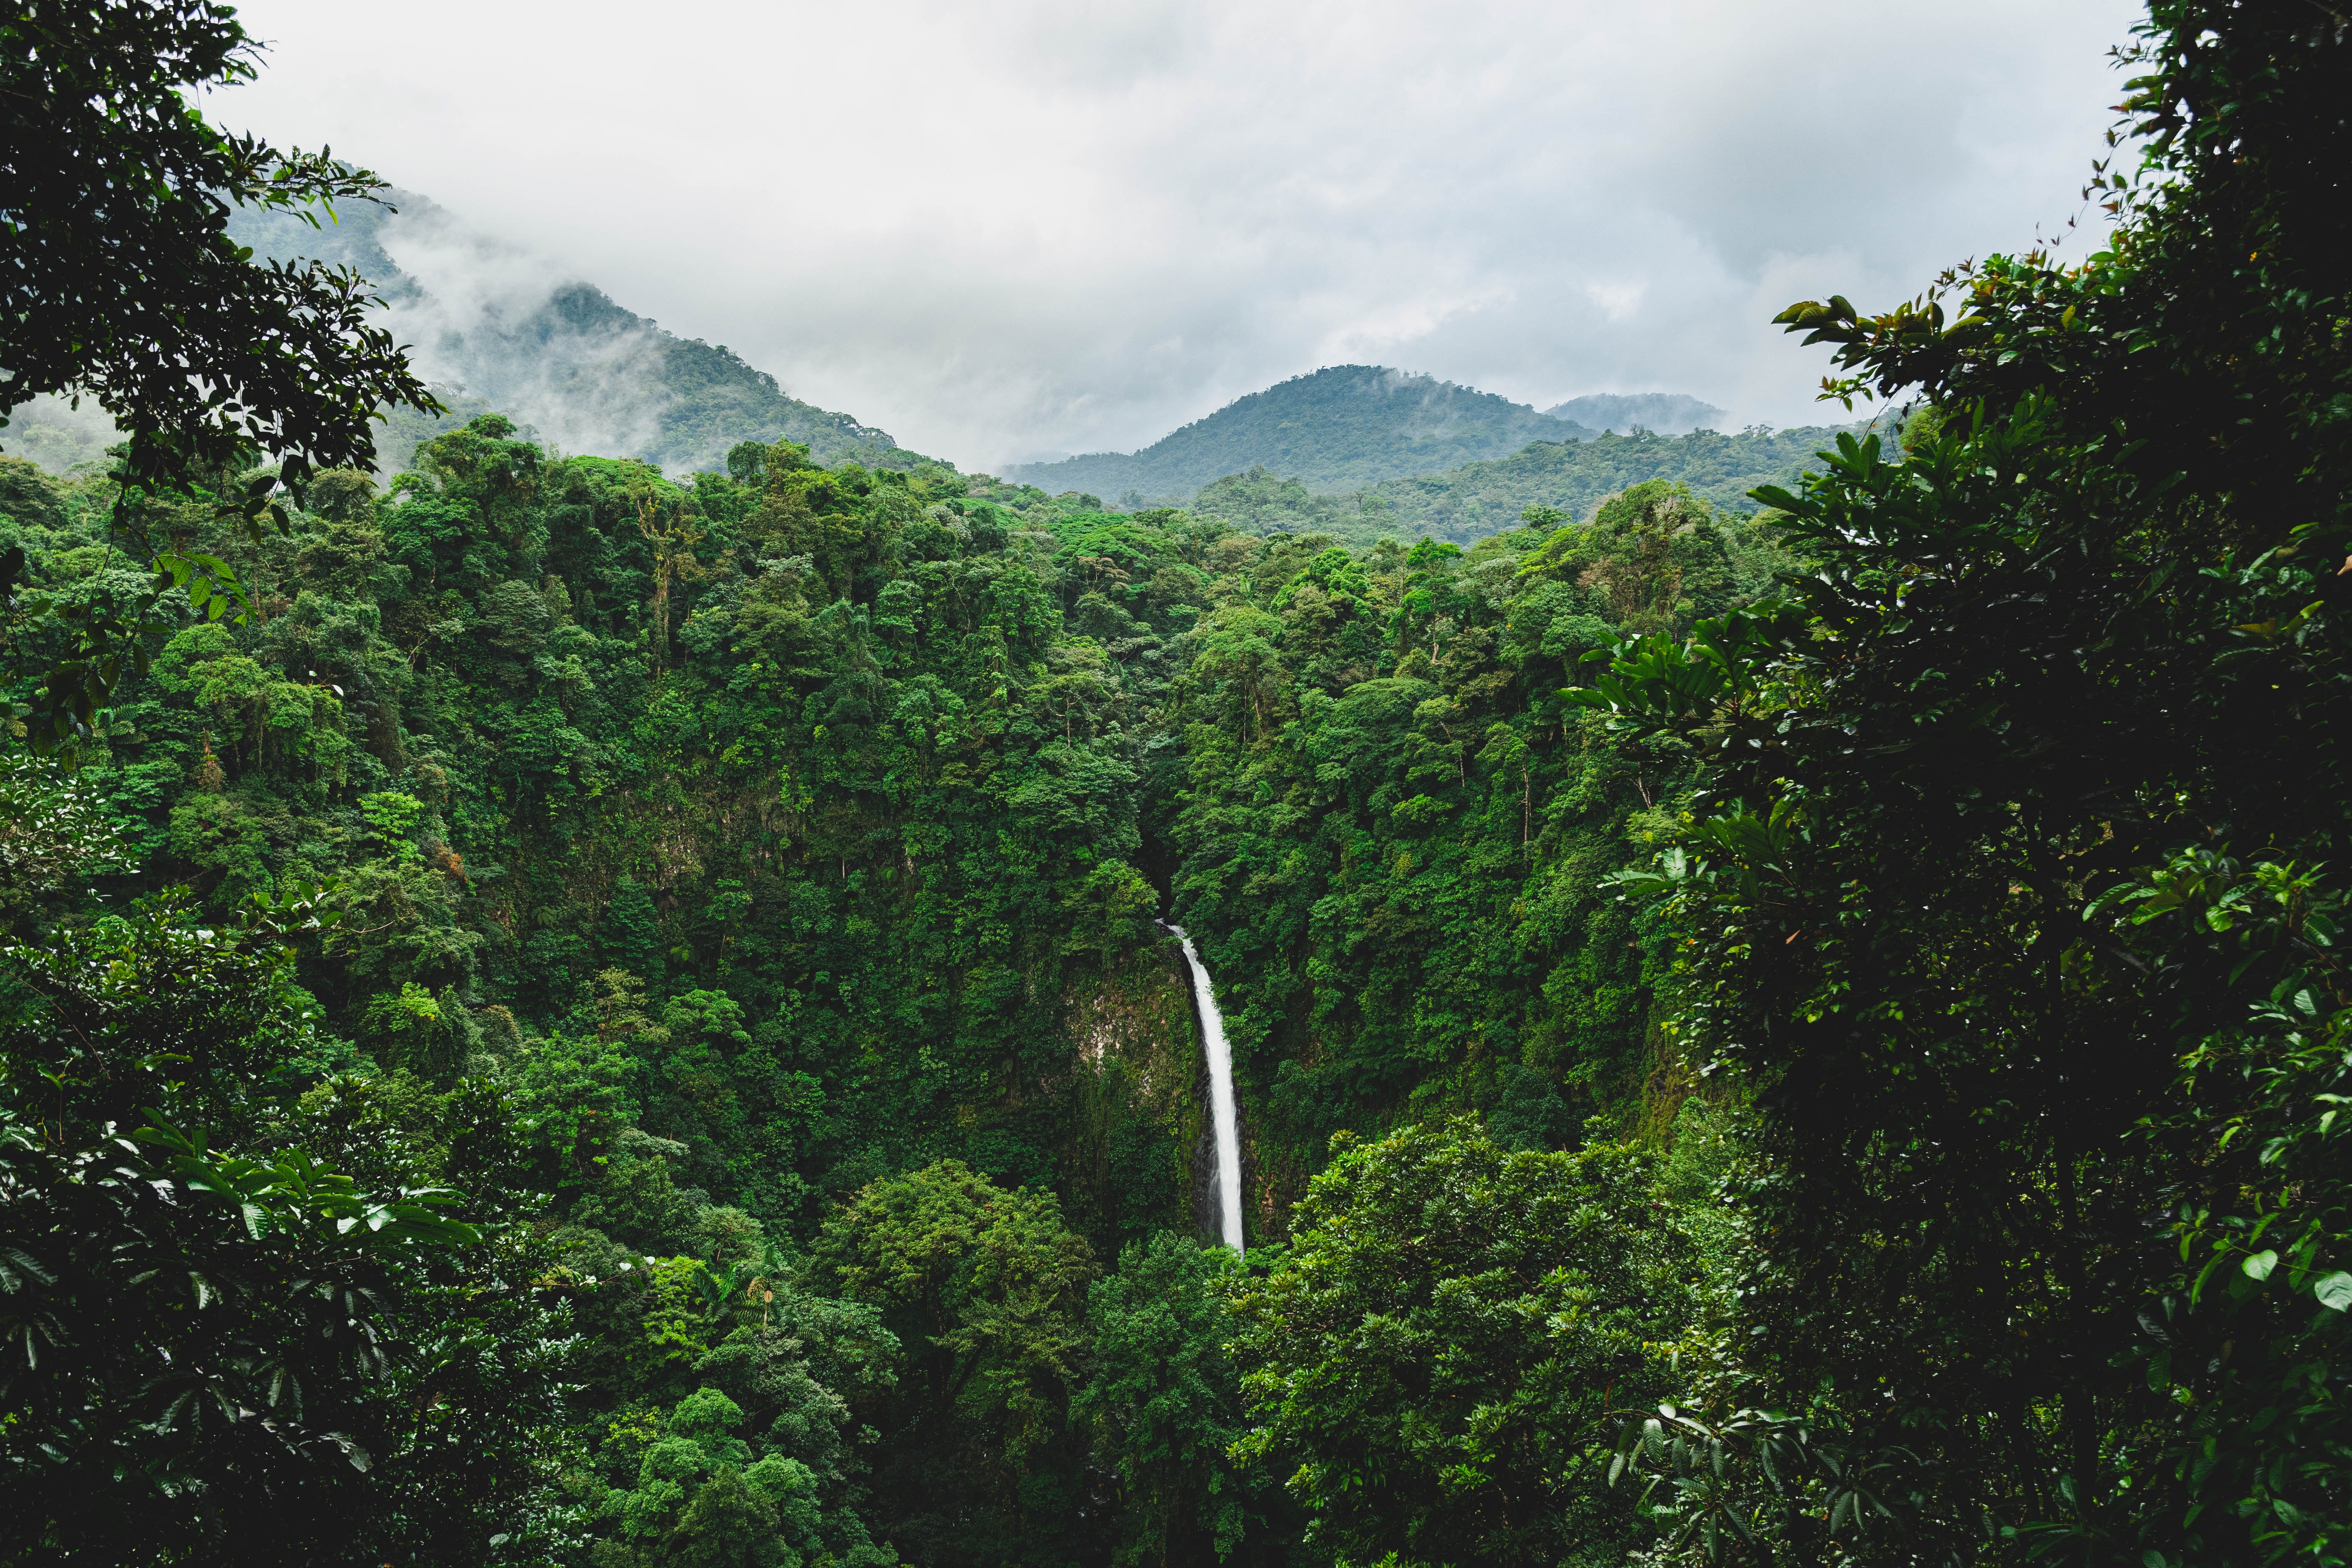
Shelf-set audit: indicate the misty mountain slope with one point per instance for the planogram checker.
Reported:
(501, 330)
(1667, 413)
(1339, 429)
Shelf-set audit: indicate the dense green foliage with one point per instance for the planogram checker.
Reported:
(586, 1020)
(1445, 1340)
(1394, 831)
(2012, 891)
(1568, 478)
(119, 283)
(118, 280)
(1339, 427)
(767, 844)
(232, 1319)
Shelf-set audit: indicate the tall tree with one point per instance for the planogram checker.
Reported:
(119, 283)
(1435, 1358)
(2080, 649)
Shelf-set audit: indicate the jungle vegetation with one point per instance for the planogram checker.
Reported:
(1560, 479)
(550, 1015)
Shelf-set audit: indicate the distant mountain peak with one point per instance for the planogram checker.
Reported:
(1336, 428)
(1667, 413)
(556, 354)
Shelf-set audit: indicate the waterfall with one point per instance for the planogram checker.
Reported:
(1228, 1174)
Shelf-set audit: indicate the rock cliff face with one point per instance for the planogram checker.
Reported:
(1138, 1152)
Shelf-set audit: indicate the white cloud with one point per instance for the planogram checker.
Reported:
(1052, 226)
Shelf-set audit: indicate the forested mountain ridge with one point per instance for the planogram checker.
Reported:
(558, 355)
(1337, 428)
(1490, 496)
(1664, 413)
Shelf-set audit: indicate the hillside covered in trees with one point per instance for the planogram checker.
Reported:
(1564, 480)
(1341, 427)
(551, 1014)
(612, 784)
(1660, 413)
(555, 353)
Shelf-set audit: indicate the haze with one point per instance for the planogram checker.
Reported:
(1027, 229)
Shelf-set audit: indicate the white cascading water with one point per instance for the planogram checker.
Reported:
(1222, 1116)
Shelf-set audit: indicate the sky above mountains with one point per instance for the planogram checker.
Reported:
(1009, 232)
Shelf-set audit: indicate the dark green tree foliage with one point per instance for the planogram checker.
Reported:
(460, 700)
(1394, 828)
(755, 836)
(987, 1291)
(232, 1333)
(1438, 1353)
(769, 837)
(121, 282)
(1163, 1400)
(1474, 500)
(2005, 893)
(547, 723)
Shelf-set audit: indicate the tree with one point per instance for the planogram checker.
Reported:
(232, 1327)
(117, 278)
(988, 1291)
(119, 282)
(1164, 1399)
(195, 1337)
(2081, 644)
(1440, 1350)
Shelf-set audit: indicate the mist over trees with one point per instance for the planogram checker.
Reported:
(1662, 412)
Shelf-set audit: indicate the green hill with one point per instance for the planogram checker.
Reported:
(1481, 498)
(1339, 429)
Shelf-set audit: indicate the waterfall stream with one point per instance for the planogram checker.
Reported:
(1223, 1117)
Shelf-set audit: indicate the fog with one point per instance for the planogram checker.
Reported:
(479, 320)
(1031, 229)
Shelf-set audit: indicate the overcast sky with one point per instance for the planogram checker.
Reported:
(1017, 229)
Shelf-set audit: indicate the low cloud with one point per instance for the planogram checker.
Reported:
(486, 317)
(999, 232)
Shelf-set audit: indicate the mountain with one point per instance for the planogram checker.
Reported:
(1479, 500)
(497, 328)
(1667, 413)
(1339, 429)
